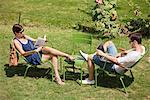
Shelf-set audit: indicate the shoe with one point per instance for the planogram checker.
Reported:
(84, 55)
(87, 81)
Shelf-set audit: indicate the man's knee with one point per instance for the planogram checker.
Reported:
(109, 42)
(90, 57)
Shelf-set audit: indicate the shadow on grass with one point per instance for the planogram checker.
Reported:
(70, 75)
(113, 82)
(104, 80)
(32, 72)
(86, 29)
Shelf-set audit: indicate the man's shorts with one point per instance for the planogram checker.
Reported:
(98, 60)
(102, 63)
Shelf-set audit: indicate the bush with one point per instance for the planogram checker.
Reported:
(139, 25)
(104, 16)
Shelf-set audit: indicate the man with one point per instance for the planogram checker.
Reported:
(118, 62)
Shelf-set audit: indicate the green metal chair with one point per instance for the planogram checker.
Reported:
(29, 65)
(112, 74)
(78, 40)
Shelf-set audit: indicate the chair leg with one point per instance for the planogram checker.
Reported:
(131, 74)
(64, 72)
(73, 68)
(81, 74)
(26, 70)
(123, 85)
(52, 74)
(95, 77)
(52, 71)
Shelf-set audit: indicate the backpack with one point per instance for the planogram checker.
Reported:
(13, 56)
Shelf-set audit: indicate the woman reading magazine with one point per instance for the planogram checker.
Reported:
(25, 45)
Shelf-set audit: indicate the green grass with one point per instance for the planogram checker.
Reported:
(55, 18)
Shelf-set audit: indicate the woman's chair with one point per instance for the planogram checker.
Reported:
(29, 65)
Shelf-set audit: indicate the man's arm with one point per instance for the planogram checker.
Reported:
(123, 52)
(111, 58)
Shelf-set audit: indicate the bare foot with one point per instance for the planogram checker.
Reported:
(70, 58)
(59, 81)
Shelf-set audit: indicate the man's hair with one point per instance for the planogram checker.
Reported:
(17, 28)
(137, 37)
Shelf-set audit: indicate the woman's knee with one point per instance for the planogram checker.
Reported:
(54, 56)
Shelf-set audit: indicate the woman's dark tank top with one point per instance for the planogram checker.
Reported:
(35, 58)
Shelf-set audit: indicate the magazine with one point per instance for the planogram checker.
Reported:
(40, 42)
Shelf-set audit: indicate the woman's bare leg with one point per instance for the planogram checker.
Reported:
(56, 52)
(54, 60)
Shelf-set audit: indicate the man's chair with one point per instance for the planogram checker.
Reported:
(114, 74)
(80, 41)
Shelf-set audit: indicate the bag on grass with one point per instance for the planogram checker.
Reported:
(13, 56)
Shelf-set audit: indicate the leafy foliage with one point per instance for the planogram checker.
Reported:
(139, 25)
(104, 16)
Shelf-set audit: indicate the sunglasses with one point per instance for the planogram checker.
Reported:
(21, 31)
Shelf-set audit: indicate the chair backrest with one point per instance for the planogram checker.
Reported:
(140, 58)
(81, 41)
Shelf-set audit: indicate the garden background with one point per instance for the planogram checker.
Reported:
(58, 20)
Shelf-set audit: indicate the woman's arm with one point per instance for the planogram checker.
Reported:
(20, 49)
(28, 37)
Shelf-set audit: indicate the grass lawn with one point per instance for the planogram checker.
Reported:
(56, 19)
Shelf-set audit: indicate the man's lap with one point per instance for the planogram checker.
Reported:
(100, 62)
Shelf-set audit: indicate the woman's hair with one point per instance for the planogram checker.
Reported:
(137, 37)
(17, 28)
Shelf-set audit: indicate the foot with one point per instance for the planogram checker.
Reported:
(69, 57)
(84, 55)
(59, 81)
(87, 81)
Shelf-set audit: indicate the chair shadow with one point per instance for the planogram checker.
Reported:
(70, 75)
(107, 81)
(19, 70)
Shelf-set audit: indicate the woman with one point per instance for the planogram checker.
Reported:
(24, 44)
